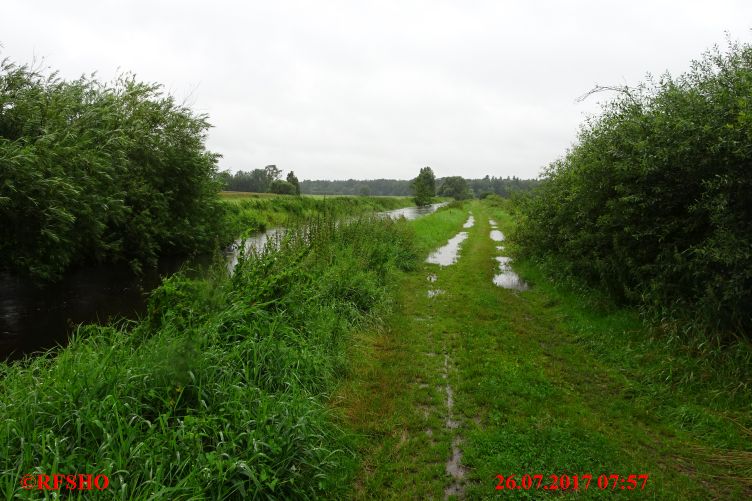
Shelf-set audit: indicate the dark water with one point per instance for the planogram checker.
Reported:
(34, 318)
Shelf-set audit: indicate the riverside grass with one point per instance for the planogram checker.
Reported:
(220, 391)
(252, 212)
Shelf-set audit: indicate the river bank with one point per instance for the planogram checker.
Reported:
(36, 317)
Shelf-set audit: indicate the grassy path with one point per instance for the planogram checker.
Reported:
(479, 381)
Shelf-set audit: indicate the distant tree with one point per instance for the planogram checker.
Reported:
(294, 181)
(272, 173)
(282, 187)
(424, 187)
(364, 191)
(455, 187)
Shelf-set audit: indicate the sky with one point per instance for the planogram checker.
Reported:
(352, 89)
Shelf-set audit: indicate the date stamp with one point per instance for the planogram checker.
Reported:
(584, 482)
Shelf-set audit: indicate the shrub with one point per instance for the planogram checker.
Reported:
(653, 203)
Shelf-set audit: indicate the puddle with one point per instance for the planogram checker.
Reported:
(470, 222)
(454, 466)
(456, 470)
(448, 254)
(432, 277)
(500, 247)
(497, 236)
(507, 278)
(435, 292)
(492, 223)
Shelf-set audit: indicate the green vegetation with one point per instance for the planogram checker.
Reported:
(424, 187)
(455, 187)
(293, 180)
(395, 187)
(548, 381)
(653, 205)
(219, 391)
(252, 212)
(95, 172)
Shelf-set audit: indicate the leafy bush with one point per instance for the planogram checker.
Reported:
(653, 203)
(98, 172)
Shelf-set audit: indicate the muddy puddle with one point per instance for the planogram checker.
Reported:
(507, 278)
(497, 236)
(449, 253)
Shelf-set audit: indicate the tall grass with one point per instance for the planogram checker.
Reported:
(255, 212)
(220, 391)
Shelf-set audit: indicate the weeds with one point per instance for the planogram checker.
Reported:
(219, 392)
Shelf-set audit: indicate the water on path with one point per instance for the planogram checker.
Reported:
(507, 278)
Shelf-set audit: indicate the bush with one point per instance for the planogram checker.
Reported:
(99, 172)
(653, 203)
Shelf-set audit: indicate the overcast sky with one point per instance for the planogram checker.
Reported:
(350, 89)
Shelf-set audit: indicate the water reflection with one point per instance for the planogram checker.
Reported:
(507, 278)
(411, 213)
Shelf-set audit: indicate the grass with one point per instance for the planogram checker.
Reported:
(547, 381)
(321, 368)
(252, 212)
(220, 391)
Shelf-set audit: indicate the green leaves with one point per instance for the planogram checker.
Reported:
(99, 172)
(424, 186)
(653, 204)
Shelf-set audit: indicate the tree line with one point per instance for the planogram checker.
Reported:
(653, 204)
(266, 180)
(378, 187)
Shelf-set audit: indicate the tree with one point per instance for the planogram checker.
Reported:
(271, 173)
(294, 181)
(424, 187)
(282, 187)
(455, 187)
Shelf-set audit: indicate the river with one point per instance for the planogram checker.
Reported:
(34, 318)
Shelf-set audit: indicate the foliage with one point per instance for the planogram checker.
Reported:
(220, 391)
(455, 187)
(501, 186)
(99, 172)
(504, 187)
(281, 187)
(654, 202)
(248, 213)
(293, 180)
(255, 181)
(424, 187)
(373, 187)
